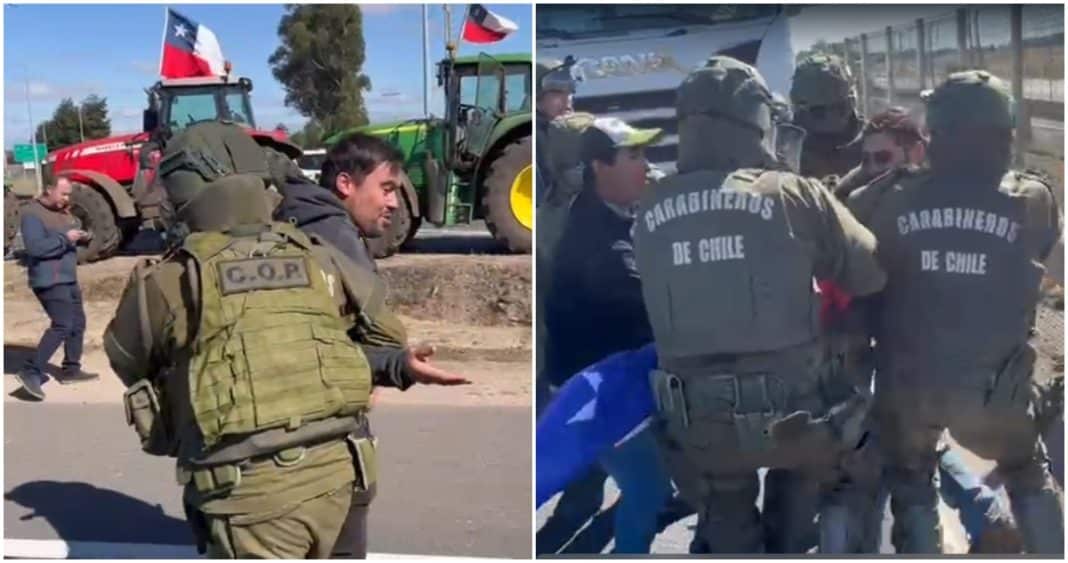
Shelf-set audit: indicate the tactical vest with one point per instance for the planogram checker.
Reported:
(964, 263)
(721, 270)
(271, 349)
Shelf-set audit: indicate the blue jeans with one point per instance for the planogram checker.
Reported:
(963, 490)
(644, 487)
(63, 304)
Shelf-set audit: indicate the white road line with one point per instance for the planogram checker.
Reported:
(60, 549)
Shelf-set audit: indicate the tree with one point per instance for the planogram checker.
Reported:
(319, 63)
(95, 117)
(310, 137)
(64, 129)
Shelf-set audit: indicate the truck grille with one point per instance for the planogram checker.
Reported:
(644, 110)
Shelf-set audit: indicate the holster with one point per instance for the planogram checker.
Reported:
(365, 461)
(749, 405)
(145, 415)
(1010, 386)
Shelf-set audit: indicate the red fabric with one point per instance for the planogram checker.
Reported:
(178, 63)
(834, 301)
(475, 33)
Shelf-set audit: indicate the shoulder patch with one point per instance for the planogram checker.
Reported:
(249, 274)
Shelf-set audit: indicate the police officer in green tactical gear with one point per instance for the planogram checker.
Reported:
(554, 89)
(825, 105)
(728, 250)
(249, 352)
(948, 355)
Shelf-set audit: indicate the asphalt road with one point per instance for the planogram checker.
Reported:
(453, 480)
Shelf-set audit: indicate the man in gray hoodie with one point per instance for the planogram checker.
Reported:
(50, 235)
(356, 197)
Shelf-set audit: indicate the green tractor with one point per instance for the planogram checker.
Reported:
(473, 164)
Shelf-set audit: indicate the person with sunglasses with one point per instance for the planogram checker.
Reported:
(891, 139)
(825, 106)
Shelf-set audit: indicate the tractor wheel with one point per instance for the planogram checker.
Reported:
(95, 215)
(12, 215)
(401, 229)
(508, 201)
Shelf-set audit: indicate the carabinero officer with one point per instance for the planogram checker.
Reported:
(963, 244)
(728, 250)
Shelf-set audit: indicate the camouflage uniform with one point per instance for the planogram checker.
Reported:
(825, 105)
(949, 355)
(235, 348)
(727, 251)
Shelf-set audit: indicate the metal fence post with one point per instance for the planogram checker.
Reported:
(962, 37)
(864, 73)
(889, 66)
(1023, 117)
(921, 53)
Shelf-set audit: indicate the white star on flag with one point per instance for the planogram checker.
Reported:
(180, 30)
(589, 410)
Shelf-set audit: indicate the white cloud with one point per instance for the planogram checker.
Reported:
(42, 91)
(145, 67)
(378, 9)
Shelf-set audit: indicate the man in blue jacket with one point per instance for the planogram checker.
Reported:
(50, 235)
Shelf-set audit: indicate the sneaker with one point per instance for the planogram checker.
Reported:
(76, 376)
(31, 383)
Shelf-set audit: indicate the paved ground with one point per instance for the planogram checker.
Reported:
(455, 481)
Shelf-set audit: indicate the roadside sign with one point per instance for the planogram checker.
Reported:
(24, 153)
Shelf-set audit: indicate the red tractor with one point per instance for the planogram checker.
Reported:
(115, 192)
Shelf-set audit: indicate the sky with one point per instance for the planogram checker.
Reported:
(120, 57)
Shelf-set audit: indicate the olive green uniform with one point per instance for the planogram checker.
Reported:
(964, 264)
(728, 258)
(287, 504)
(238, 354)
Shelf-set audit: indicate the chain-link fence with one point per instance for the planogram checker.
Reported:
(1023, 45)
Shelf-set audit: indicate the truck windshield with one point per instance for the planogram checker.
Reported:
(566, 22)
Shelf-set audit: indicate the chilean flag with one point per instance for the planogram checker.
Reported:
(598, 409)
(189, 49)
(483, 26)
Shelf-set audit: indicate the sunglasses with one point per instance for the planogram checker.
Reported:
(877, 158)
(825, 111)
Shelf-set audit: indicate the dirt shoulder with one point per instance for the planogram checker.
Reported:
(473, 312)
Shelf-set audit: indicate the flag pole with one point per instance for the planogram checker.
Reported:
(426, 62)
(450, 48)
(163, 40)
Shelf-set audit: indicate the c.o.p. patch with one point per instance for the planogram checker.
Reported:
(239, 276)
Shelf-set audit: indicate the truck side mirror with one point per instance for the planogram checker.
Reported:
(149, 120)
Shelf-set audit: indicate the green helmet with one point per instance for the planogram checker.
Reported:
(554, 75)
(728, 88)
(971, 97)
(821, 80)
(215, 175)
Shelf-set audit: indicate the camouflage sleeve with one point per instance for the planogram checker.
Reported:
(846, 254)
(146, 324)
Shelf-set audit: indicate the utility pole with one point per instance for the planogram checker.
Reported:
(33, 135)
(81, 127)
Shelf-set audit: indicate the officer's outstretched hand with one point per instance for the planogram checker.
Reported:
(423, 372)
